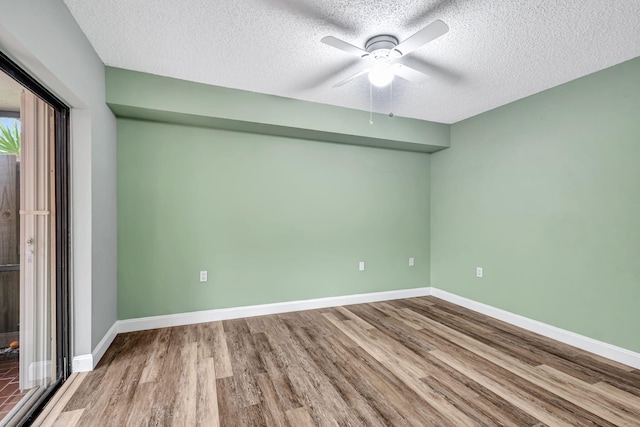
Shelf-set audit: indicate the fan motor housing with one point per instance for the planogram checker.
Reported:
(382, 46)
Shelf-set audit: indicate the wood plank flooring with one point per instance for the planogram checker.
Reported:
(411, 362)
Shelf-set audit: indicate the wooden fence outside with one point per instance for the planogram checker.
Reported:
(9, 248)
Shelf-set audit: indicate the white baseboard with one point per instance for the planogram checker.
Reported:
(104, 344)
(169, 320)
(591, 345)
(86, 362)
(82, 363)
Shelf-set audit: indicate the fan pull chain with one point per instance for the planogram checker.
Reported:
(391, 89)
(370, 103)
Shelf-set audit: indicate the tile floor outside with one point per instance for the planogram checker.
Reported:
(10, 393)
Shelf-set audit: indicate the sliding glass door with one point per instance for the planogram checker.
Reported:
(41, 158)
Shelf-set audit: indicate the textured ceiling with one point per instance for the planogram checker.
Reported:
(496, 51)
(9, 93)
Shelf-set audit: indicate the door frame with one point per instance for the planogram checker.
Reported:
(63, 229)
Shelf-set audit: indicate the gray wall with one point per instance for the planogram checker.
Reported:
(43, 37)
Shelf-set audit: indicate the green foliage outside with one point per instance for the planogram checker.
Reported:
(9, 139)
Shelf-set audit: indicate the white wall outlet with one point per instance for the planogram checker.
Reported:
(411, 262)
(203, 276)
(361, 266)
(478, 271)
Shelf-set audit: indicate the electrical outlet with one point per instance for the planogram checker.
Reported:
(479, 272)
(361, 266)
(411, 262)
(203, 276)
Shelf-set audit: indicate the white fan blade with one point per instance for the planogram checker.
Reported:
(342, 45)
(408, 73)
(422, 37)
(356, 75)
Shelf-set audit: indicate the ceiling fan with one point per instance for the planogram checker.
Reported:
(384, 51)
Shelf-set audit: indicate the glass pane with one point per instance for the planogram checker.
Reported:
(10, 393)
(27, 255)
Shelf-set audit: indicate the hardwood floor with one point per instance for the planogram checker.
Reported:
(412, 362)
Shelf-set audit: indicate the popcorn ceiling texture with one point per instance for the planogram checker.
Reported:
(496, 51)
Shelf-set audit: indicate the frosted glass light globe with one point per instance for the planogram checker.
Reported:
(381, 74)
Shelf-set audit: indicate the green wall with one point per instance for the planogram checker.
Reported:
(143, 96)
(544, 194)
(272, 219)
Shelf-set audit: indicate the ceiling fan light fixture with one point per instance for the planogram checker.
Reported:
(385, 51)
(381, 74)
